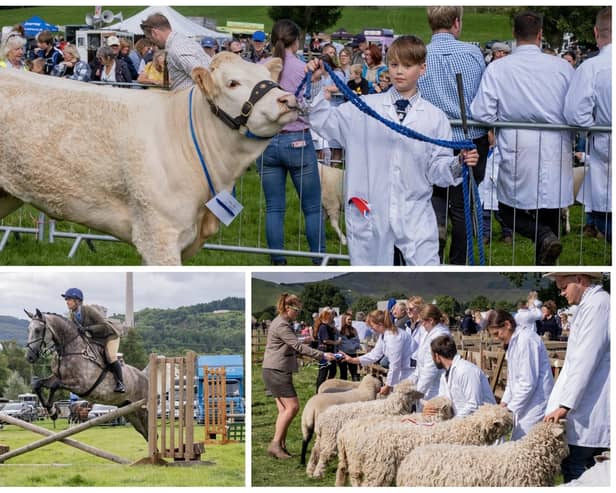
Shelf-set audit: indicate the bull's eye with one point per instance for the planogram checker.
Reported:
(233, 83)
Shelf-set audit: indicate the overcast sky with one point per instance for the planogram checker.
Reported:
(294, 277)
(42, 290)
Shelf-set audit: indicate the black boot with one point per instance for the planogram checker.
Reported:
(116, 369)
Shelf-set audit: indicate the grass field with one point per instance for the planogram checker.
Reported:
(267, 471)
(76, 468)
(478, 25)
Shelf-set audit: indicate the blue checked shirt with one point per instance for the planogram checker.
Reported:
(446, 57)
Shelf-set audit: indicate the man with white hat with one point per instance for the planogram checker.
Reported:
(582, 392)
(500, 50)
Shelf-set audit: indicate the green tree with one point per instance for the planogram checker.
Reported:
(397, 295)
(558, 20)
(508, 306)
(308, 18)
(479, 303)
(364, 304)
(15, 385)
(447, 304)
(320, 294)
(133, 350)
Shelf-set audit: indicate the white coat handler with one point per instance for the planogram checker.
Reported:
(582, 392)
(389, 177)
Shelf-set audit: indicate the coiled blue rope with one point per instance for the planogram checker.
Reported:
(396, 127)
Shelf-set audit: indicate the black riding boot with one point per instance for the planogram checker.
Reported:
(116, 369)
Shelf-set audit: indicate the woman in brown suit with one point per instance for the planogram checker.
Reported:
(279, 363)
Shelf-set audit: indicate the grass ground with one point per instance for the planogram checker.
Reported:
(267, 471)
(86, 470)
(479, 25)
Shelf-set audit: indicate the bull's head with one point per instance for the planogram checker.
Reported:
(230, 87)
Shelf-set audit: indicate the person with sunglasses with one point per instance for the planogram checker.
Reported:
(529, 374)
(279, 364)
(581, 395)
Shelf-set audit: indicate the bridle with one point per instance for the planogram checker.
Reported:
(42, 344)
(258, 91)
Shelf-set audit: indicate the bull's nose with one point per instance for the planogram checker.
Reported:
(288, 100)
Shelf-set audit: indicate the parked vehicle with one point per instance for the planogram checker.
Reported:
(20, 410)
(102, 410)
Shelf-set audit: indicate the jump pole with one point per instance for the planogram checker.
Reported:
(56, 437)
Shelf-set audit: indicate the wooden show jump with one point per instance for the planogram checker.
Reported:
(174, 437)
(63, 435)
(215, 405)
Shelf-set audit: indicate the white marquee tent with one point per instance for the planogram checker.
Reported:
(178, 23)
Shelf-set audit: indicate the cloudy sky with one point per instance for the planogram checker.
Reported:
(293, 277)
(42, 290)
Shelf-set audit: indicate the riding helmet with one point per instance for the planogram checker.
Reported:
(74, 293)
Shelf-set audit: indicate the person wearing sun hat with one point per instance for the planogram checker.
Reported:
(581, 394)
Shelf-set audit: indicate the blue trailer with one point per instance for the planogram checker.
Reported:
(235, 382)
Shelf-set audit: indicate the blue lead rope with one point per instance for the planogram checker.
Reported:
(396, 127)
(196, 143)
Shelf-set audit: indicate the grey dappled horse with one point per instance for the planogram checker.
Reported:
(79, 366)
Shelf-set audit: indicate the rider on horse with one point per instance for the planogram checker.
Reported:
(93, 323)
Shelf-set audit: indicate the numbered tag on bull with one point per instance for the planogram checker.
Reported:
(225, 207)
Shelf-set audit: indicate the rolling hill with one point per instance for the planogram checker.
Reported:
(462, 286)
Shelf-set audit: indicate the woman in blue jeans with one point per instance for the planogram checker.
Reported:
(291, 151)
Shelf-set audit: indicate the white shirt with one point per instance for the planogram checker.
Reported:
(529, 381)
(525, 318)
(529, 86)
(108, 77)
(397, 349)
(427, 375)
(488, 192)
(589, 103)
(584, 381)
(467, 387)
(393, 173)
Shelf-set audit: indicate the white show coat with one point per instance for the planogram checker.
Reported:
(427, 376)
(525, 318)
(487, 188)
(467, 387)
(529, 381)
(397, 348)
(588, 103)
(584, 382)
(393, 173)
(529, 86)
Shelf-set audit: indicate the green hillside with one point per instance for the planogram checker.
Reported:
(462, 286)
(479, 25)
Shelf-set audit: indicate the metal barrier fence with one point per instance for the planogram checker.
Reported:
(241, 237)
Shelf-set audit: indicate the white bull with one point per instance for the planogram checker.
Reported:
(122, 161)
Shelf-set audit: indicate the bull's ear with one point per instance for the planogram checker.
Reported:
(275, 67)
(30, 315)
(203, 78)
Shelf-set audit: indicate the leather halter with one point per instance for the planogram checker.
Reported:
(258, 91)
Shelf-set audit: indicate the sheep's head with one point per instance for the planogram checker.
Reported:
(443, 407)
(370, 384)
(407, 387)
(494, 421)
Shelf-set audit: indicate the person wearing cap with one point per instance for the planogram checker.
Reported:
(92, 322)
(256, 51)
(500, 50)
(581, 395)
(209, 45)
(359, 46)
(183, 54)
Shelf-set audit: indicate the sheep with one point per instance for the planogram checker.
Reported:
(369, 451)
(534, 460)
(337, 385)
(334, 418)
(332, 196)
(366, 391)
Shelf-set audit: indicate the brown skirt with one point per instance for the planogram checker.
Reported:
(279, 383)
